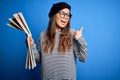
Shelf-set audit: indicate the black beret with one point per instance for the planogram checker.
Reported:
(57, 7)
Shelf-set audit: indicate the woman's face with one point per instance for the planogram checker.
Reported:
(62, 17)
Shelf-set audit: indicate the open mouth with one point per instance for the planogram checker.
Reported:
(63, 21)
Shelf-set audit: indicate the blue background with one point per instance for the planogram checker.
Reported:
(101, 21)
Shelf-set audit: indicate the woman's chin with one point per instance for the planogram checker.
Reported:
(62, 26)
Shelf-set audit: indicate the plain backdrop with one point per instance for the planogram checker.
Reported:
(101, 21)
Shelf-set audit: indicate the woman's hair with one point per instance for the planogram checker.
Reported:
(65, 41)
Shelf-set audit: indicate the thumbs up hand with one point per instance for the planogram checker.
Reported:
(78, 33)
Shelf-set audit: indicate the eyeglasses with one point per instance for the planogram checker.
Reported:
(64, 15)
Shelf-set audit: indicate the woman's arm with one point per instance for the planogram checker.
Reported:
(79, 45)
(80, 48)
(35, 51)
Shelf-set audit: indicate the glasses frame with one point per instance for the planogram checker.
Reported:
(64, 15)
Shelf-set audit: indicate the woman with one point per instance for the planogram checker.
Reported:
(59, 45)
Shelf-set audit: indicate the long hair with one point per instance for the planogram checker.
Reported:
(65, 41)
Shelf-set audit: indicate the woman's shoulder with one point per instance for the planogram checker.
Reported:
(72, 31)
(43, 33)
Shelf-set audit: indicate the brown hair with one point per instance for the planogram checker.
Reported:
(65, 42)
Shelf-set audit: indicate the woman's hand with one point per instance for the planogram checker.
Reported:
(78, 34)
(31, 41)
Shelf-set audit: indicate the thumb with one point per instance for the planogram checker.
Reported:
(31, 39)
(81, 29)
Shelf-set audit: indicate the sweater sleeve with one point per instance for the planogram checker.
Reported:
(80, 48)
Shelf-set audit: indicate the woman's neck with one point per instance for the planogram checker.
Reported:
(58, 29)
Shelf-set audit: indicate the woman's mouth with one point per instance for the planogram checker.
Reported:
(63, 22)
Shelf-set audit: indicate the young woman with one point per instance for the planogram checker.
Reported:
(59, 45)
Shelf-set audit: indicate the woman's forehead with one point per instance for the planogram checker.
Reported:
(66, 10)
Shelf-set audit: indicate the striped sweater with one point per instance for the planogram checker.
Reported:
(57, 66)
